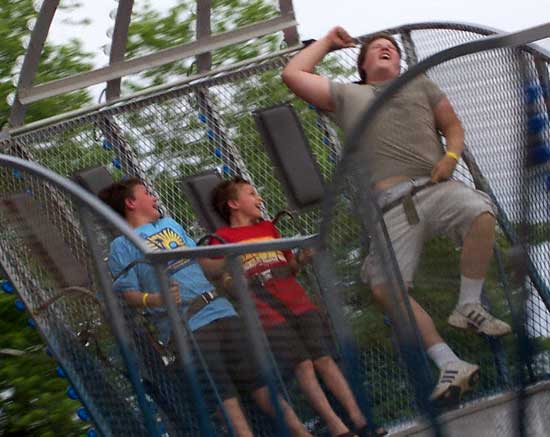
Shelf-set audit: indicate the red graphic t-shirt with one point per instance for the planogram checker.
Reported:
(287, 290)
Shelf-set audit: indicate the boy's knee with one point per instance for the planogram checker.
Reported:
(487, 219)
(482, 224)
(305, 366)
(323, 362)
(378, 292)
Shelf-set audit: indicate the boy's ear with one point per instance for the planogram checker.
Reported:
(129, 203)
(233, 204)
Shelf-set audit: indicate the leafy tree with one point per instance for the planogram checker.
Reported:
(56, 61)
(32, 399)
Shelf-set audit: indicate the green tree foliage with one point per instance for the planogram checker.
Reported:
(56, 61)
(151, 31)
(32, 398)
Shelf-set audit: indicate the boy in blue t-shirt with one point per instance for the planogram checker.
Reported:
(212, 318)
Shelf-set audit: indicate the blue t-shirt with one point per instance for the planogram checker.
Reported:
(165, 234)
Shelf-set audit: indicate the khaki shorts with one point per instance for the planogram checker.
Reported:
(447, 208)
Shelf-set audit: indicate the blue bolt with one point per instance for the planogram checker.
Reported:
(210, 134)
(539, 154)
(226, 169)
(202, 117)
(116, 163)
(533, 92)
(60, 372)
(16, 173)
(19, 305)
(326, 141)
(536, 123)
(7, 287)
(31, 323)
(218, 152)
(91, 433)
(82, 414)
(106, 144)
(71, 393)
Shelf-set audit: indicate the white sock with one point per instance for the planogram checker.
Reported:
(441, 354)
(470, 290)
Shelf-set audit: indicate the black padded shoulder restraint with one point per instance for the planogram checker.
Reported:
(287, 146)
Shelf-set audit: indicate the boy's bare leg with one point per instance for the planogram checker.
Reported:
(309, 384)
(474, 263)
(334, 379)
(477, 249)
(237, 418)
(337, 384)
(425, 324)
(295, 425)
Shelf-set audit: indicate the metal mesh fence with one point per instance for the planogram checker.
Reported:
(208, 124)
(63, 296)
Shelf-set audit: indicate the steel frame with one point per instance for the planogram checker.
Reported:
(119, 67)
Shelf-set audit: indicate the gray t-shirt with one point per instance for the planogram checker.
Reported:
(403, 140)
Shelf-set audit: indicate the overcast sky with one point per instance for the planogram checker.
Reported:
(315, 17)
(361, 16)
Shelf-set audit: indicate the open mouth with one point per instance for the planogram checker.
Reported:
(385, 56)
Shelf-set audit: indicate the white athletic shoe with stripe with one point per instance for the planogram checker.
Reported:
(455, 379)
(473, 315)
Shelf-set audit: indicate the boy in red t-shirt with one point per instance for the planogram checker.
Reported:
(291, 321)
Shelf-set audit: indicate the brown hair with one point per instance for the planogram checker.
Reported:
(225, 191)
(364, 47)
(115, 195)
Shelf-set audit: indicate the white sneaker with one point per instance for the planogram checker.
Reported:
(473, 315)
(455, 379)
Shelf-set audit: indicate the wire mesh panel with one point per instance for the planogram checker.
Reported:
(47, 258)
(209, 124)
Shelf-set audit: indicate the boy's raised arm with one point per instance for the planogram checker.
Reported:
(298, 75)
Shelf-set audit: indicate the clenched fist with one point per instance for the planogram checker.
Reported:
(339, 38)
(443, 169)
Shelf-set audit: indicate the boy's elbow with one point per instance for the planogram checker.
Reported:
(286, 76)
(291, 77)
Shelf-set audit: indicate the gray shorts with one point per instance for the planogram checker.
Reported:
(447, 208)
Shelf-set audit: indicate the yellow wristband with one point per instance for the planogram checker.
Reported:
(453, 155)
(144, 299)
(226, 280)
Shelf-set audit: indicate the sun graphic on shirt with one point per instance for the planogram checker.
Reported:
(166, 239)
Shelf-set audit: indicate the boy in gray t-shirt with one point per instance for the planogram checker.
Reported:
(405, 161)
